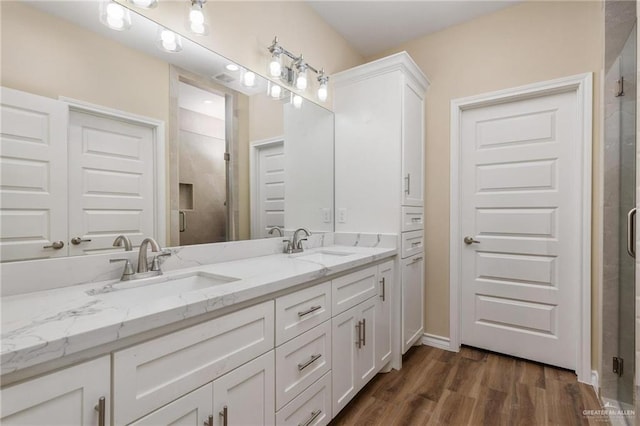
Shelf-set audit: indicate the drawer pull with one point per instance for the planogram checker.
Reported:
(364, 332)
(308, 311)
(416, 244)
(209, 422)
(225, 415)
(417, 259)
(102, 412)
(314, 415)
(383, 295)
(309, 362)
(416, 219)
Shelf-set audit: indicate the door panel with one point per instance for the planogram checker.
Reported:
(344, 357)
(270, 174)
(383, 315)
(366, 362)
(412, 147)
(33, 183)
(520, 280)
(111, 181)
(412, 300)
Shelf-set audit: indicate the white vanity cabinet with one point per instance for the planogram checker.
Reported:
(412, 300)
(354, 355)
(383, 338)
(65, 397)
(149, 375)
(379, 111)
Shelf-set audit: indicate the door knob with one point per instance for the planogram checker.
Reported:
(55, 245)
(78, 240)
(470, 240)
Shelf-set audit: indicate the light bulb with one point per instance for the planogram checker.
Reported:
(275, 68)
(301, 80)
(114, 16)
(197, 28)
(232, 67)
(145, 4)
(275, 91)
(249, 79)
(297, 101)
(196, 16)
(169, 41)
(322, 92)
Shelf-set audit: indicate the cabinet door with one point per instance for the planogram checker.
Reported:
(412, 146)
(344, 332)
(66, 397)
(412, 300)
(192, 409)
(33, 192)
(383, 314)
(245, 396)
(366, 355)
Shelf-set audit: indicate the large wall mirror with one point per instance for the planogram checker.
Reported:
(106, 132)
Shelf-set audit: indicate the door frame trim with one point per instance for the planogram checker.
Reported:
(157, 127)
(582, 85)
(254, 201)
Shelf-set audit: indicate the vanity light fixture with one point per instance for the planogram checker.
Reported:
(144, 4)
(114, 15)
(275, 90)
(196, 22)
(168, 40)
(296, 72)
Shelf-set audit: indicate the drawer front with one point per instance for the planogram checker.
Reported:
(301, 311)
(412, 218)
(154, 373)
(302, 361)
(412, 243)
(192, 409)
(311, 408)
(352, 289)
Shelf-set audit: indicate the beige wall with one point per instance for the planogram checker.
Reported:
(73, 62)
(526, 43)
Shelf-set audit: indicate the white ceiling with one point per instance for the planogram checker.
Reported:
(374, 26)
(198, 100)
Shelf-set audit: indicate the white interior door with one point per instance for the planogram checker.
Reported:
(520, 202)
(270, 188)
(111, 188)
(33, 184)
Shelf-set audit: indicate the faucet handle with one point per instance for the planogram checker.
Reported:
(128, 268)
(300, 242)
(288, 247)
(155, 263)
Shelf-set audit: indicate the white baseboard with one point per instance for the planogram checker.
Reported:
(439, 342)
(595, 382)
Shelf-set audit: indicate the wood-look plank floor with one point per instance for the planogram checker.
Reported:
(472, 387)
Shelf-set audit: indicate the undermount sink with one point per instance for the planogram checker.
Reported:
(322, 255)
(159, 287)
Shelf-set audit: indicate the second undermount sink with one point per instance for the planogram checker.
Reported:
(323, 255)
(159, 287)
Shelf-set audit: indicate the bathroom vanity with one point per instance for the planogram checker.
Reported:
(279, 338)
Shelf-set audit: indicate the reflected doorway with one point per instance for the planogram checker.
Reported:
(203, 166)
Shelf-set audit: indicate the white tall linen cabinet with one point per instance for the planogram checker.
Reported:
(379, 170)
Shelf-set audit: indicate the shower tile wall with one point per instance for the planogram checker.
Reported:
(202, 148)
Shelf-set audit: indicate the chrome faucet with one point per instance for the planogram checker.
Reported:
(296, 244)
(275, 228)
(143, 266)
(123, 241)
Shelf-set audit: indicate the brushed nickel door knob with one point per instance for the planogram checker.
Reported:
(470, 240)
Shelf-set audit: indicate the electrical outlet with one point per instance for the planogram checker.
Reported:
(342, 215)
(326, 215)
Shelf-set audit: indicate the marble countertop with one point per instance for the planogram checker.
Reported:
(47, 325)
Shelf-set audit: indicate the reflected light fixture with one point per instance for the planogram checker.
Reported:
(275, 91)
(114, 15)
(196, 22)
(144, 4)
(296, 72)
(232, 67)
(249, 78)
(168, 40)
(296, 101)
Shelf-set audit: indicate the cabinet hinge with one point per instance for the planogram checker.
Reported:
(618, 364)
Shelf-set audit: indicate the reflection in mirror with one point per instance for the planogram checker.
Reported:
(186, 147)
